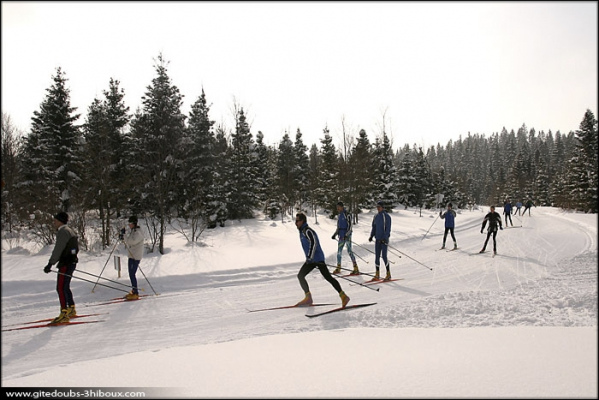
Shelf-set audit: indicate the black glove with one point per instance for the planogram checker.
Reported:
(334, 236)
(481, 231)
(122, 234)
(370, 239)
(48, 268)
(501, 228)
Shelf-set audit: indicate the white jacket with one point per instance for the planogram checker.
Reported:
(134, 242)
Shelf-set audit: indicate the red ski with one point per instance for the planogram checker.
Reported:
(51, 325)
(351, 307)
(372, 282)
(119, 300)
(50, 319)
(294, 306)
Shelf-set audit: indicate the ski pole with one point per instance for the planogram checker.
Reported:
(86, 280)
(339, 245)
(391, 261)
(430, 227)
(358, 283)
(139, 267)
(408, 256)
(142, 272)
(365, 248)
(110, 280)
(346, 269)
(361, 258)
(116, 242)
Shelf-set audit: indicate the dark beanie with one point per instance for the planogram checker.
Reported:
(133, 219)
(340, 204)
(62, 217)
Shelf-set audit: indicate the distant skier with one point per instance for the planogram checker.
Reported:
(529, 204)
(507, 210)
(344, 231)
(381, 230)
(314, 259)
(449, 217)
(494, 219)
(518, 207)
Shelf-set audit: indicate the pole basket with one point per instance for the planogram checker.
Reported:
(117, 264)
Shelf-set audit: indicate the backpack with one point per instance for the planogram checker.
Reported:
(69, 254)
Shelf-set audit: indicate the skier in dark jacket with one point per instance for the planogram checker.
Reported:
(529, 204)
(65, 254)
(449, 217)
(344, 231)
(494, 219)
(381, 230)
(314, 259)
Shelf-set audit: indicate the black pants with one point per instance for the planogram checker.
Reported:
(322, 267)
(494, 241)
(506, 217)
(450, 230)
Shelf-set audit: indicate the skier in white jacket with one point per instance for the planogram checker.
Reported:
(134, 242)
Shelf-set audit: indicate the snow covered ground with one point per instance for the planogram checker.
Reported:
(458, 324)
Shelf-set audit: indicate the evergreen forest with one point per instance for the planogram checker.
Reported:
(190, 173)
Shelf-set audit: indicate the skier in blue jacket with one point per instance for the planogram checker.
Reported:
(449, 217)
(344, 231)
(507, 210)
(314, 259)
(381, 230)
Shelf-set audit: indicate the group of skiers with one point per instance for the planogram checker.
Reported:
(65, 254)
(380, 231)
(66, 250)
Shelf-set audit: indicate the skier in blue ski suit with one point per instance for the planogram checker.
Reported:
(507, 210)
(381, 230)
(449, 217)
(344, 231)
(314, 259)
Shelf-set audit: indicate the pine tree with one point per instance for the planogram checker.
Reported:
(105, 181)
(51, 165)
(243, 198)
(328, 191)
(582, 170)
(385, 180)
(198, 166)
(285, 173)
(158, 130)
(216, 210)
(300, 170)
(361, 165)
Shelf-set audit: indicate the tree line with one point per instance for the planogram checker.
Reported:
(187, 171)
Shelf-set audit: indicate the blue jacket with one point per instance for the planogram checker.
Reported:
(343, 225)
(381, 226)
(449, 217)
(311, 244)
(507, 208)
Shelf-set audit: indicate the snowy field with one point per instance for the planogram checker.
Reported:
(458, 324)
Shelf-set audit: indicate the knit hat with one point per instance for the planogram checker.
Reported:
(62, 217)
(340, 204)
(133, 219)
(380, 203)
